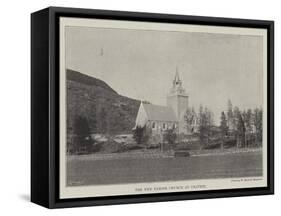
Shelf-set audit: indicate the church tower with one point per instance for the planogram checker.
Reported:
(177, 99)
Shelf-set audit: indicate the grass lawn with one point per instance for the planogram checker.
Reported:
(134, 170)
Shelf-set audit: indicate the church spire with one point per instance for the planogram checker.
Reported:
(177, 77)
(177, 84)
(177, 98)
(177, 80)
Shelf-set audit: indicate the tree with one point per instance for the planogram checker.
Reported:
(223, 128)
(230, 120)
(236, 116)
(202, 125)
(257, 119)
(210, 117)
(82, 133)
(170, 136)
(138, 134)
(103, 118)
(205, 124)
(209, 123)
(141, 134)
(249, 121)
(189, 118)
(93, 119)
(240, 131)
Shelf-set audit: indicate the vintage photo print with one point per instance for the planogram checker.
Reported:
(155, 107)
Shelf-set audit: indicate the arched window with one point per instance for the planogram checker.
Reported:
(164, 126)
(153, 125)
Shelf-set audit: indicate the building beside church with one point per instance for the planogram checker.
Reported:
(160, 118)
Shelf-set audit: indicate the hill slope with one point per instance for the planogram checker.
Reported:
(106, 111)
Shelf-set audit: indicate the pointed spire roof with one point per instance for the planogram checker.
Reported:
(177, 80)
(177, 77)
(177, 84)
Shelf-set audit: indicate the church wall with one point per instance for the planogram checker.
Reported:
(182, 104)
(158, 125)
(172, 101)
(158, 130)
(179, 103)
(141, 119)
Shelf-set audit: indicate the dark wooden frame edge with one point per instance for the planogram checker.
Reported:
(45, 106)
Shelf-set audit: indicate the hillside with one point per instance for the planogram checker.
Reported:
(107, 111)
(87, 80)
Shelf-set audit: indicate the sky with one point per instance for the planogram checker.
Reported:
(141, 64)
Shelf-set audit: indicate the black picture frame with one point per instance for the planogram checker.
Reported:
(45, 106)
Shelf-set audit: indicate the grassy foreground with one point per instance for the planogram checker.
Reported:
(87, 171)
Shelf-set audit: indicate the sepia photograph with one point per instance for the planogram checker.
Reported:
(151, 108)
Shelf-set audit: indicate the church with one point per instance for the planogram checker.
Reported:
(160, 118)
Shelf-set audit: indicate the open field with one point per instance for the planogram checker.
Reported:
(87, 171)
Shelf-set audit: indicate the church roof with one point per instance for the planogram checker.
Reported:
(159, 113)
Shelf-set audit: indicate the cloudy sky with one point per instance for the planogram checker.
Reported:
(141, 64)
